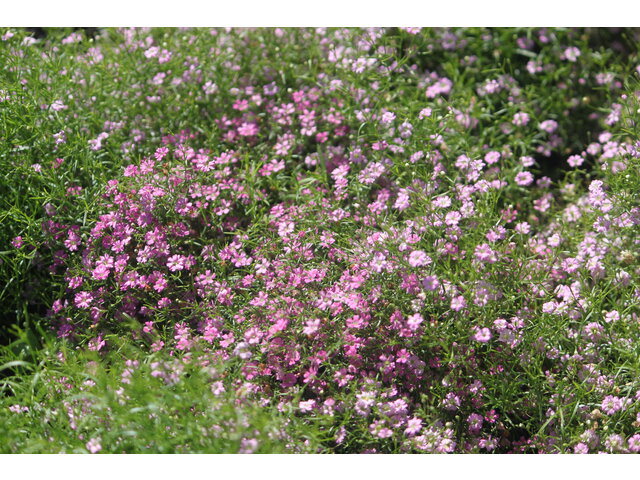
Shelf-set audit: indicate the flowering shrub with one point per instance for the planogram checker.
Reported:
(381, 247)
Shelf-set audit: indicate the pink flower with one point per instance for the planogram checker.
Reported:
(58, 105)
(492, 157)
(482, 335)
(418, 258)
(475, 422)
(217, 388)
(458, 303)
(93, 445)
(572, 54)
(523, 228)
(484, 253)
(18, 409)
(612, 316)
(451, 402)
(430, 283)
(414, 321)
(387, 118)
(285, 228)
(97, 343)
(379, 262)
(248, 129)
(312, 326)
(307, 405)
(548, 126)
(176, 262)
(581, 448)
(83, 300)
(524, 178)
(520, 119)
(414, 425)
(611, 404)
(575, 160)
(164, 302)
(426, 112)
(634, 443)
(452, 218)
(442, 201)
(101, 272)
(527, 161)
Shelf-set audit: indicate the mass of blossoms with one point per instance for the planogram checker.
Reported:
(391, 240)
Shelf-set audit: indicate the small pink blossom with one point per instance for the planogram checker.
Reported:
(520, 119)
(414, 321)
(83, 299)
(524, 178)
(575, 160)
(431, 283)
(312, 326)
(482, 335)
(93, 445)
(418, 258)
(548, 126)
(612, 404)
(458, 303)
(572, 54)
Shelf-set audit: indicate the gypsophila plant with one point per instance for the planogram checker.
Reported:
(321, 240)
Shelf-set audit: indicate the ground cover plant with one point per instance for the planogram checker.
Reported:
(320, 240)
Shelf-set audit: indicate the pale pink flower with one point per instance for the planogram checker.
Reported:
(575, 160)
(414, 321)
(520, 119)
(418, 258)
(482, 335)
(524, 178)
(458, 303)
(93, 445)
(312, 326)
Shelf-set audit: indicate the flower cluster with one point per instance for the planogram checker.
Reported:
(402, 272)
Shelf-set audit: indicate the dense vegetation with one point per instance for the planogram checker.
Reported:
(320, 240)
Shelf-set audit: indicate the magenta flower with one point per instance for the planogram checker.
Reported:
(17, 242)
(83, 299)
(475, 423)
(176, 263)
